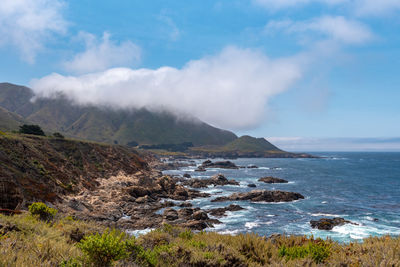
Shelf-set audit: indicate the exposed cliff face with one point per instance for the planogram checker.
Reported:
(36, 168)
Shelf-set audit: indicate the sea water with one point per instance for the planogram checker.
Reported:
(360, 187)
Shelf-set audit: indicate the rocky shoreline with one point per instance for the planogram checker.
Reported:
(148, 199)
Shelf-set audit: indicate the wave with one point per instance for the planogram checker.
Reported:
(326, 215)
(251, 225)
(137, 233)
(270, 168)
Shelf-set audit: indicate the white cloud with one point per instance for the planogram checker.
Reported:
(27, 24)
(335, 28)
(102, 54)
(170, 27)
(376, 7)
(359, 7)
(229, 90)
(278, 4)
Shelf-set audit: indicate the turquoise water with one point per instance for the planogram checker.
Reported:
(361, 187)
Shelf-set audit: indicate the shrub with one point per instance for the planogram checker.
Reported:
(103, 249)
(31, 129)
(186, 234)
(318, 252)
(58, 135)
(42, 210)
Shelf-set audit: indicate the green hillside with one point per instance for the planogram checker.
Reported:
(250, 144)
(108, 125)
(9, 121)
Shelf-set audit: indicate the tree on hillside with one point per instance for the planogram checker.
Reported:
(31, 129)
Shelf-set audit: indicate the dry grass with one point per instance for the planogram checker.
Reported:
(38, 243)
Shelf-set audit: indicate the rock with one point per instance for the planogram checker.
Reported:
(186, 212)
(218, 179)
(170, 214)
(138, 191)
(196, 225)
(200, 169)
(186, 175)
(251, 185)
(200, 215)
(219, 212)
(252, 166)
(219, 164)
(272, 180)
(262, 196)
(185, 205)
(328, 224)
(76, 235)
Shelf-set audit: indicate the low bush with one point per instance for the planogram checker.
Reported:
(58, 135)
(106, 248)
(42, 210)
(318, 251)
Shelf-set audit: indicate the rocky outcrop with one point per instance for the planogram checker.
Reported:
(200, 169)
(131, 201)
(219, 212)
(193, 218)
(175, 165)
(262, 196)
(219, 164)
(328, 224)
(218, 179)
(272, 180)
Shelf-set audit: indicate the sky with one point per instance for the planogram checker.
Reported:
(299, 72)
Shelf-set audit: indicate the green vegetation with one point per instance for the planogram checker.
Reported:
(318, 251)
(106, 248)
(68, 242)
(31, 129)
(250, 144)
(41, 210)
(58, 135)
(169, 147)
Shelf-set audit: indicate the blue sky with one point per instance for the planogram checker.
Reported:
(273, 68)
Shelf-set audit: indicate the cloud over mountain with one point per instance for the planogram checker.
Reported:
(230, 89)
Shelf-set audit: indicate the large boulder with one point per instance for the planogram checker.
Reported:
(272, 180)
(219, 212)
(219, 164)
(261, 196)
(328, 224)
(170, 214)
(218, 179)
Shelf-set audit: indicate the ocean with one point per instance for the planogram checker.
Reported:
(361, 187)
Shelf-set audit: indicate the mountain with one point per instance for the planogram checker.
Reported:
(107, 124)
(250, 144)
(245, 147)
(10, 121)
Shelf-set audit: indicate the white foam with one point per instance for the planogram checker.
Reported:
(327, 215)
(276, 203)
(125, 217)
(251, 225)
(229, 232)
(137, 233)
